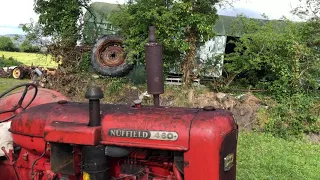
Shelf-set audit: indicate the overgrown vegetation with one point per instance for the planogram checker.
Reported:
(61, 21)
(274, 56)
(277, 58)
(4, 62)
(6, 44)
(181, 27)
(26, 46)
(291, 117)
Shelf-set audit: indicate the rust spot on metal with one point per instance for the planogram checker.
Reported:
(209, 108)
(25, 156)
(62, 102)
(111, 54)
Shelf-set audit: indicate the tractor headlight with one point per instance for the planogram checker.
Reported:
(228, 161)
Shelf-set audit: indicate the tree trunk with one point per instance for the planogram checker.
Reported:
(189, 60)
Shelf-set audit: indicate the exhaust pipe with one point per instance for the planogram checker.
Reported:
(154, 67)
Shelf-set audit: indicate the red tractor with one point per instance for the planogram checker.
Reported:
(46, 137)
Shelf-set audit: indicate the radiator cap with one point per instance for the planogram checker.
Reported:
(94, 92)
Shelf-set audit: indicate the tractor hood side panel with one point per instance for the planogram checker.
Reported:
(150, 127)
(67, 122)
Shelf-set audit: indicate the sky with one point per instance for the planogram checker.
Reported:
(15, 12)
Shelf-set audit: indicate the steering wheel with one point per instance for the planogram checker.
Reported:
(19, 104)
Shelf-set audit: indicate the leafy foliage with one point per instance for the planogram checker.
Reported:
(34, 33)
(280, 58)
(292, 117)
(60, 17)
(309, 11)
(181, 27)
(4, 62)
(26, 46)
(6, 44)
(275, 55)
(58, 29)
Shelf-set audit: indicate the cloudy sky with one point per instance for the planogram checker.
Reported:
(15, 12)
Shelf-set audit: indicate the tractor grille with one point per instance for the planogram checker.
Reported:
(228, 152)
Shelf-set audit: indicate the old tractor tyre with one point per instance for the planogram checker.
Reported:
(17, 73)
(108, 57)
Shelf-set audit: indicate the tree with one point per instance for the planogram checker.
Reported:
(60, 22)
(182, 26)
(6, 44)
(27, 46)
(309, 11)
(60, 18)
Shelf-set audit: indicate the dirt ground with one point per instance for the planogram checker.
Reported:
(243, 107)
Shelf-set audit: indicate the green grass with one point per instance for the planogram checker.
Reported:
(263, 157)
(7, 83)
(29, 59)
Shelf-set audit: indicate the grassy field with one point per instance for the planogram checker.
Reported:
(261, 156)
(29, 59)
(7, 83)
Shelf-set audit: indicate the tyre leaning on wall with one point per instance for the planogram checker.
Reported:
(108, 57)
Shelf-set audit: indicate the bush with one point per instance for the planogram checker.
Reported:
(274, 56)
(26, 46)
(8, 62)
(84, 65)
(6, 44)
(292, 117)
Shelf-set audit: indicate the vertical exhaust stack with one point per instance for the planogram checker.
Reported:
(154, 65)
(94, 94)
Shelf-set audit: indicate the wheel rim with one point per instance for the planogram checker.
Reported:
(16, 73)
(111, 54)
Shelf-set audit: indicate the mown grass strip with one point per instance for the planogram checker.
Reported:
(29, 59)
